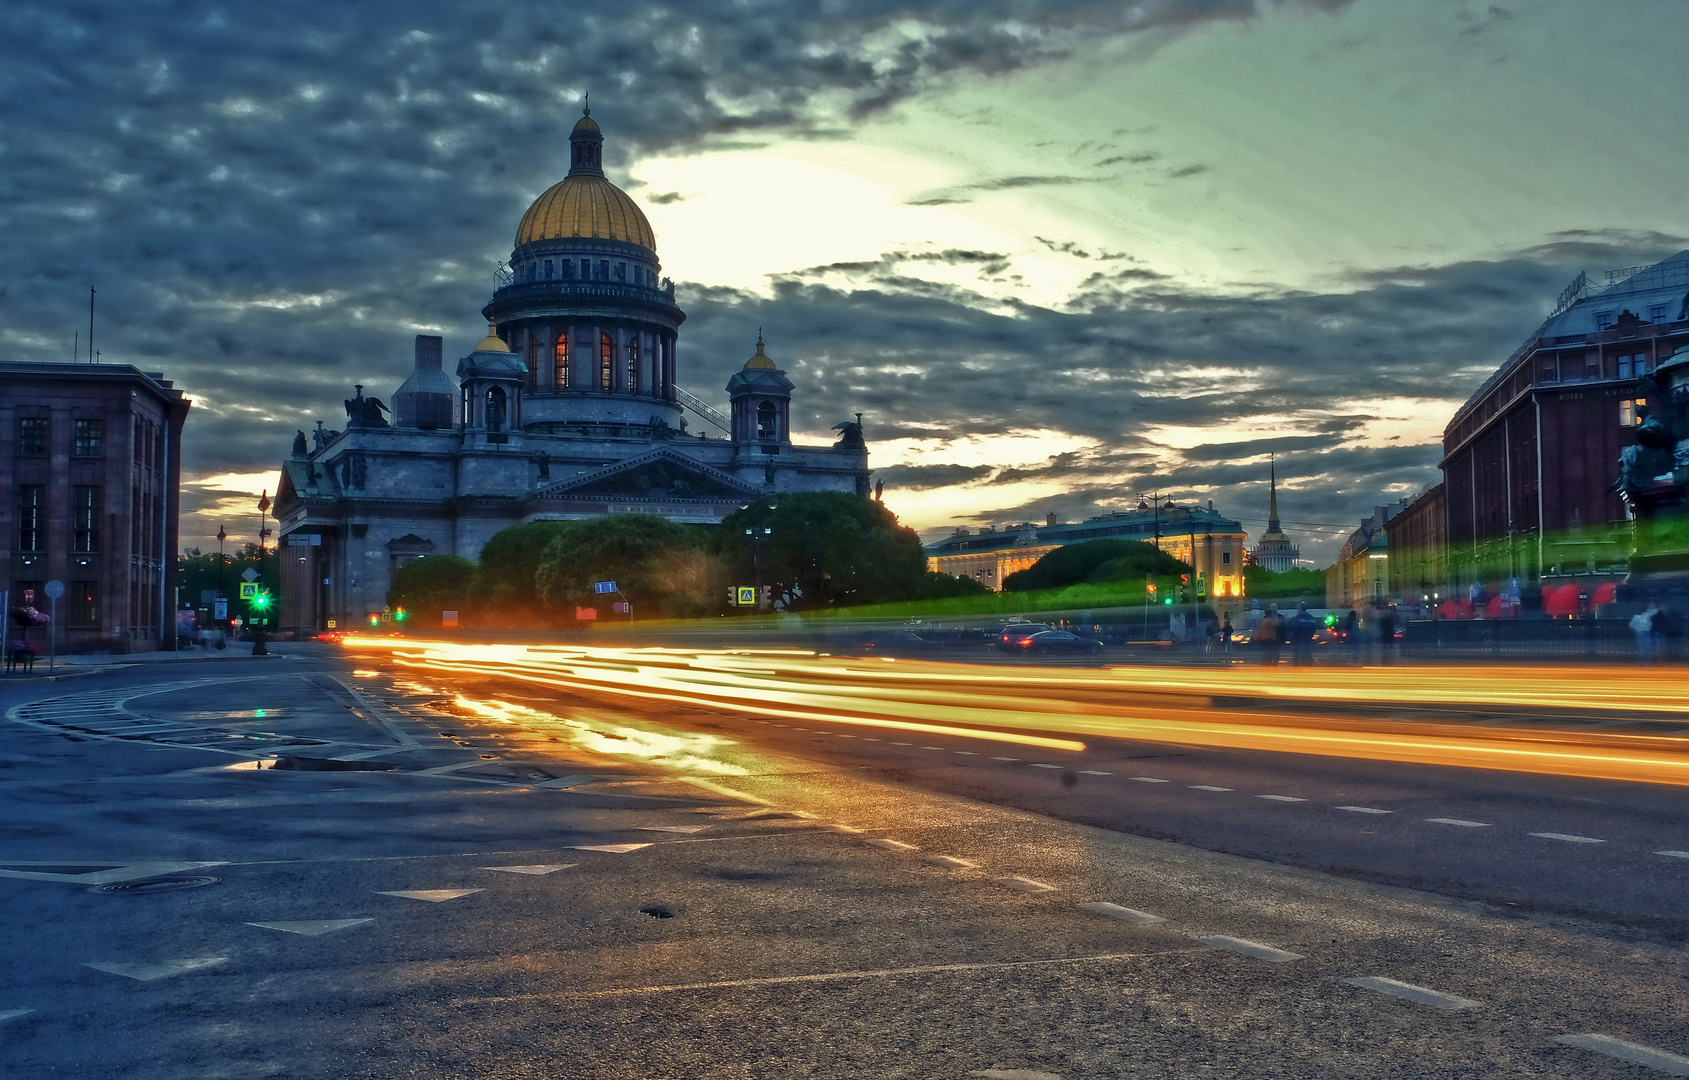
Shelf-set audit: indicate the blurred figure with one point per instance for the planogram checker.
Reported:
(1668, 634)
(1647, 640)
(1302, 628)
(1226, 632)
(1386, 633)
(1352, 637)
(1269, 634)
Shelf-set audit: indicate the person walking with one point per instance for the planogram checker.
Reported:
(1269, 635)
(1302, 628)
(1647, 639)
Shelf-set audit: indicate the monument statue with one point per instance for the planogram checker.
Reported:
(364, 412)
(850, 436)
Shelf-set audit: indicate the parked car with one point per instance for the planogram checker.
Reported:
(1013, 632)
(1045, 642)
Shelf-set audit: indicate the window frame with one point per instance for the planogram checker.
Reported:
(27, 445)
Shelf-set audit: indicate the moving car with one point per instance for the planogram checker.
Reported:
(1013, 632)
(1056, 641)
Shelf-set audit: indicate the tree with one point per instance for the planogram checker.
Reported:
(658, 566)
(1096, 562)
(198, 574)
(507, 580)
(937, 586)
(1298, 584)
(425, 587)
(827, 549)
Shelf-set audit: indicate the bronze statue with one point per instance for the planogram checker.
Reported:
(299, 448)
(364, 412)
(850, 436)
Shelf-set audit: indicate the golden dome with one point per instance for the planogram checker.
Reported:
(492, 342)
(760, 362)
(586, 205)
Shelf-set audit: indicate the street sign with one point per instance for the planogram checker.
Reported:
(248, 591)
(249, 574)
(747, 595)
(55, 589)
(604, 586)
(220, 610)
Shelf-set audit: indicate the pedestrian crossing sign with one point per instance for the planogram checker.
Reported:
(249, 590)
(747, 595)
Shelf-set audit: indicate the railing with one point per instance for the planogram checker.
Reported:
(697, 405)
(604, 290)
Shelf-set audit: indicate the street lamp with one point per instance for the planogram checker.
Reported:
(759, 539)
(222, 567)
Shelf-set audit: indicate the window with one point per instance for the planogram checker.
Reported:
(568, 268)
(1630, 411)
(83, 600)
(1604, 320)
(604, 372)
(32, 437)
(85, 520)
(767, 424)
(495, 408)
(603, 269)
(1225, 558)
(621, 271)
(90, 438)
(32, 516)
(1657, 313)
(533, 357)
(633, 364)
(560, 362)
(1592, 366)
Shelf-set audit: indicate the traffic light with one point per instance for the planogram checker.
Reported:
(399, 615)
(375, 620)
(261, 602)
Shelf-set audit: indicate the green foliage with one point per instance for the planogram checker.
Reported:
(197, 573)
(427, 586)
(937, 586)
(660, 567)
(1262, 584)
(506, 582)
(828, 549)
(1095, 561)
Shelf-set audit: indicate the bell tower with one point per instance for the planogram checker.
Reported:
(761, 398)
(491, 379)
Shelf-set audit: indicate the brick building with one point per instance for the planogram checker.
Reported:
(1418, 546)
(1529, 461)
(90, 465)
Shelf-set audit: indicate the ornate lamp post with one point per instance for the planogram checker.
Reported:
(222, 568)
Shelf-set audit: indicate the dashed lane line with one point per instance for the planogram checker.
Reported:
(1095, 772)
(994, 758)
(160, 969)
(1281, 798)
(433, 896)
(1151, 780)
(13, 1014)
(951, 862)
(1023, 884)
(1408, 992)
(535, 869)
(1208, 787)
(1568, 838)
(1245, 947)
(1042, 765)
(312, 927)
(614, 849)
(1362, 809)
(1674, 854)
(1124, 914)
(1635, 1053)
(1462, 823)
(892, 845)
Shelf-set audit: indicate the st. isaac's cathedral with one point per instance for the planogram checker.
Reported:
(567, 409)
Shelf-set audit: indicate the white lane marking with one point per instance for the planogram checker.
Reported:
(846, 829)
(1005, 759)
(1208, 787)
(672, 828)
(1674, 854)
(144, 972)
(1665, 1061)
(569, 781)
(867, 739)
(433, 896)
(1408, 992)
(1021, 884)
(900, 744)
(892, 845)
(1458, 821)
(614, 849)
(965, 753)
(1096, 772)
(312, 927)
(1124, 914)
(12, 1014)
(1041, 765)
(1250, 948)
(932, 748)
(1151, 780)
(1014, 1074)
(951, 861)
(534, 868)
(103, 873)
(1361, 809)
(1568, 838)
(1281, 798)
(842, 735)
(722, 789)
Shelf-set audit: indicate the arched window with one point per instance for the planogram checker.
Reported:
(768, 426)
(495, 409)
(633, 364)
(560, 361)
(604, 372)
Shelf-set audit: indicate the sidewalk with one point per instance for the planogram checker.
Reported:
(79, 664)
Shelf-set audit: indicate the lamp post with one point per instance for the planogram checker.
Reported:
(261, 604)
(222, 568)
(759, 539)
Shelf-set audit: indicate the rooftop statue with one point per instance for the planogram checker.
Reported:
(364, 412)
(850, 435)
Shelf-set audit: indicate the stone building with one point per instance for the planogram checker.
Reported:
(1361, 574)
(90, 468)
(1529, 460)
(1274, 551)
(569, 408)
(1208, 542)
(1418, 544)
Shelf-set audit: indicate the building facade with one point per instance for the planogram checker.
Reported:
(1211, 544)
(569, 408)
(90, 470)
(1530, 460)
(1361, 574)
(1417, 536)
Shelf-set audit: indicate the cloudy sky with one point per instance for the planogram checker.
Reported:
(1059, 253)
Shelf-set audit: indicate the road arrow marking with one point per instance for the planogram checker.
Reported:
(144, 972)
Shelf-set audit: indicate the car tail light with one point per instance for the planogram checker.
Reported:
(1026, 641)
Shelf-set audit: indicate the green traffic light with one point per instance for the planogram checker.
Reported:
(1168, 601)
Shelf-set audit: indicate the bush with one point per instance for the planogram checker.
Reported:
(507, 580)
(427, 586)
(1094, 561)
(660, 567)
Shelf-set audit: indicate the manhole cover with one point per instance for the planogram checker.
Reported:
(153, 885)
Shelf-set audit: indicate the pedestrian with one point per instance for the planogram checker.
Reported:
(1352, 637)
(1303, 625)
(1647, 639)
(1226, 635)
(1269, 635)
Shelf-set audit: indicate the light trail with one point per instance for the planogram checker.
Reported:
(1151, 704)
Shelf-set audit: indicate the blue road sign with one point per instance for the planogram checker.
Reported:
(604, 586)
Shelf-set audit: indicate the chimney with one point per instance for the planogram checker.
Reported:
(429, 351)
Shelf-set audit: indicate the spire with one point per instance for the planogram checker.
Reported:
(1272, 501)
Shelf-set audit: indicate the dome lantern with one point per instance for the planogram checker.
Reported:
(586, 146)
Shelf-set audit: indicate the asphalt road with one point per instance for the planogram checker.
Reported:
(549, 884)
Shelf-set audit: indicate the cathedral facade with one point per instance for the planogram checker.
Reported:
(568, 409)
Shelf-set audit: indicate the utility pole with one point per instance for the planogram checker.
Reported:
(90, 324)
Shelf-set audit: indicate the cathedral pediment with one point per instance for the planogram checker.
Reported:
(657, 474)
